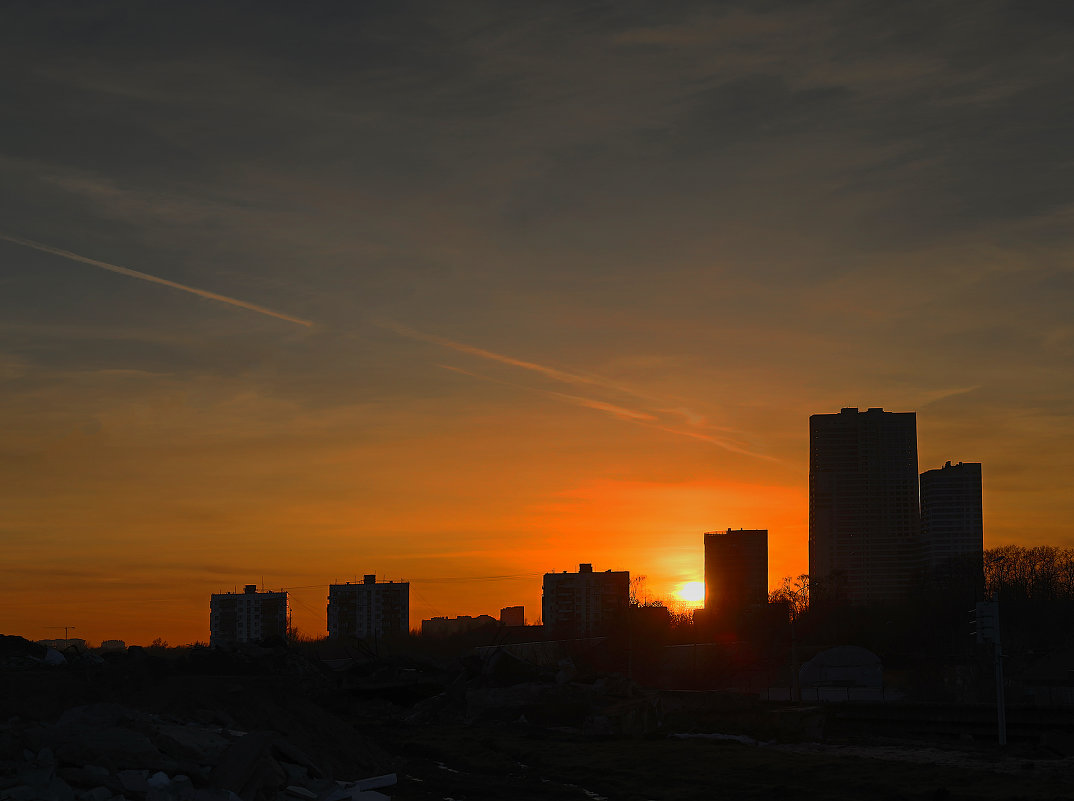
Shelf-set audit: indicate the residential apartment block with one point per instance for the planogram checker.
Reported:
(864, 517)
(736, 571)
(952, 517)
(368, 609)
(584, 604)
(448, 626)
(513, 616)
(247, 616)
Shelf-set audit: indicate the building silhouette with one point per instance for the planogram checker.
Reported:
(736, 572)
(864, 518)
(448, 626)
(952, 516)
(584, 604)
(247, 616)
(513, 616)
(368, 609)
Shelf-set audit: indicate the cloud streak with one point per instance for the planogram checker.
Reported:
(549, 372)
(555, 374)
(620, 412)
(115, 268)
(636, 416)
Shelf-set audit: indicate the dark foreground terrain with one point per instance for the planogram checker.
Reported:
(278, 723)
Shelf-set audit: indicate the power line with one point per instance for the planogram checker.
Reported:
(435, 580)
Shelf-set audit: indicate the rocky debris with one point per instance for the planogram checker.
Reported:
(610, 707)
(361, 790)
(18, 653)
(249, 769)
(107, 752)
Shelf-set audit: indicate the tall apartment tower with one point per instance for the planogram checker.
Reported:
(736, 571)
(369, 609)
(247, 616)
(864, 519)
(585, 603)
(952, 519)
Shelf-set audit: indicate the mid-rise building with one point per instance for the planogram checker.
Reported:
(952, 517)
(584, 604)
(736, 571)
(368, 609)
(247, 616)
(513, 616)
(448, 626)
(864, 518)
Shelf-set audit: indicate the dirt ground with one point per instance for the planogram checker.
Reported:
(515, 763)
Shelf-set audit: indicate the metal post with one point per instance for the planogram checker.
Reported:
(1001, 706)
(796, 687)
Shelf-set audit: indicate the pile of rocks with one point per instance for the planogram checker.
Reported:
(104, 751)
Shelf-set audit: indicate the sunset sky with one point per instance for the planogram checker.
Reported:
(463, 293)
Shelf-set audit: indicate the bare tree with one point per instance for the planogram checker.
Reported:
(639, 596)
(794, 592)
(1038, 573)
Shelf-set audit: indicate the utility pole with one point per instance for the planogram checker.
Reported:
(987, 620)
(1001, 704)
(796, 686)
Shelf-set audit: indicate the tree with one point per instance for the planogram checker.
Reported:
(794, 592)
(639, 596)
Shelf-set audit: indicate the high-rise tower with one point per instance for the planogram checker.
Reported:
(864, 519)
(952, 522)
(736, 571)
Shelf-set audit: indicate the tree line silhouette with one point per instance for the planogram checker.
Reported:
(935, 624)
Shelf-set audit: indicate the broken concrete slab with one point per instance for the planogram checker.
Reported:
(99, 715)
(373, 782)
(190, 742)
(247, 766)
(364, 789)
(115, 747)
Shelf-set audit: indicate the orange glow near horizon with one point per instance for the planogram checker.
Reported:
(461, 563)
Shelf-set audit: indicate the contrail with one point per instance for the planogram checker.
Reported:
(620, 412)
(550, 372)
(115, 268)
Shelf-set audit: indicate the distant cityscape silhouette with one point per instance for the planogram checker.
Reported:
(876, 527)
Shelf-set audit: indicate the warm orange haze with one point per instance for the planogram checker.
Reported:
(464, 296)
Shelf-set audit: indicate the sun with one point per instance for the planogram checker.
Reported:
(692, 592)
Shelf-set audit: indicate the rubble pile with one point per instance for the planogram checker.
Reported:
(103, 751)
(272, 722)
(17, 653)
